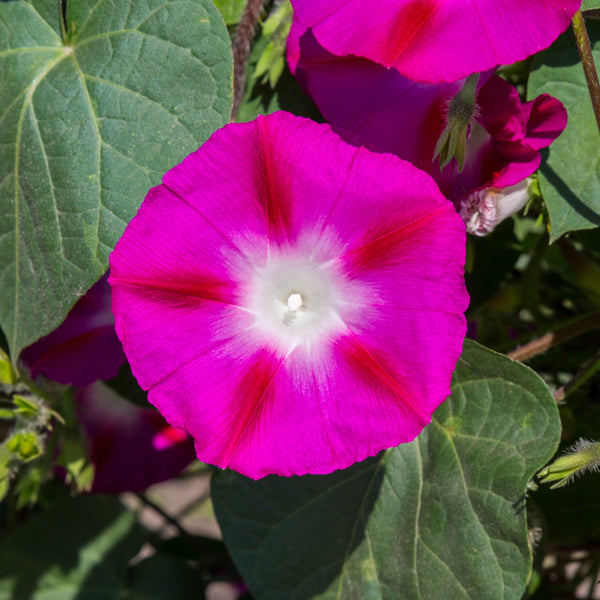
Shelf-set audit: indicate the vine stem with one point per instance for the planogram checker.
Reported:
(241, 50)
(554, 338)
(587, 60)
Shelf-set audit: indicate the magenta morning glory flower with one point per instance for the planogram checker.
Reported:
(85, 347)
(130, 447)
(370, 105)
(293, 302)
(436, 40)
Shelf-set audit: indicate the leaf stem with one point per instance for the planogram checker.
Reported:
(554, 338)
(587, 60)
(165, 515)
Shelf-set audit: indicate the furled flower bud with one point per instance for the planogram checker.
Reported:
(583, 456)
(483, 210)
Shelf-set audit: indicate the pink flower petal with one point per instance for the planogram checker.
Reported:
(332, 317)
(437, 40)
(85, 347)
(370, 105)
(122, 442)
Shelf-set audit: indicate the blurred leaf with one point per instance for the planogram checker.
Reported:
(78, 549)
(493, 258)
(231, 10)
(572, 511)
(7, 374)
(86, 128)
(27, 488)
(165, 578)
(570, 177)
(445, 512)
(590, 4)
(26, 407)
(271, 63)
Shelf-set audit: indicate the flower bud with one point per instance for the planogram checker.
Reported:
(452, 142)
(483, 210)
(583, 456)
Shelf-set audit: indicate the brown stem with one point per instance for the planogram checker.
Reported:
(554, 338)
(241, 50)
(587, 60)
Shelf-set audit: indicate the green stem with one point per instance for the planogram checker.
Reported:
(586, 372)
(165, 515)
(554, 338)
(587, 60)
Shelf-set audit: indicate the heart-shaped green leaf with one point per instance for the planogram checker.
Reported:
(90, 119)
(441, 517)
(570, 177)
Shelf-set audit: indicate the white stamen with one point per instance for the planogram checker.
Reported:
(294, 301)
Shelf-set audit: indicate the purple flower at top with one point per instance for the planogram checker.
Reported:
(130, 447)
(370, 105)
(293, 302)
(436, 40)
(85, 347)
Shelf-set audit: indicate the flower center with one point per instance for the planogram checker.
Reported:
(295, 301)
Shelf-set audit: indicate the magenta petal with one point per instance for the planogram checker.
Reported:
(122, 442)
(85, 347)
(293, 302)
(437, 40)
(502, 113)
(370, 105)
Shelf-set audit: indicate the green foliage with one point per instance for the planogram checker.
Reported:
(445, 512)
(164, 578)
(7, 373)
(88, 124)
(261, 96)
(79, 549)
(231, 10)
(275, 29)
(570, 177)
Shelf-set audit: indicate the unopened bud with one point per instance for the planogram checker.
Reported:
(452, 142)
(25, 445)
(484, 209)
(583, 456)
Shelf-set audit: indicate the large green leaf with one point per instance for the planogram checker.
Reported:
(570, 178)
(87, 126)
(443, 516)
(80, 549)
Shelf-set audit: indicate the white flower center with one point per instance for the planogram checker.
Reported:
(296, 301)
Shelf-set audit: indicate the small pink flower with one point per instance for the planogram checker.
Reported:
(85, 347)
(436, 40)
(294, 303)
(370, 105)
(130, 447)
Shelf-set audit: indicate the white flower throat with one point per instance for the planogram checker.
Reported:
(295, 301)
